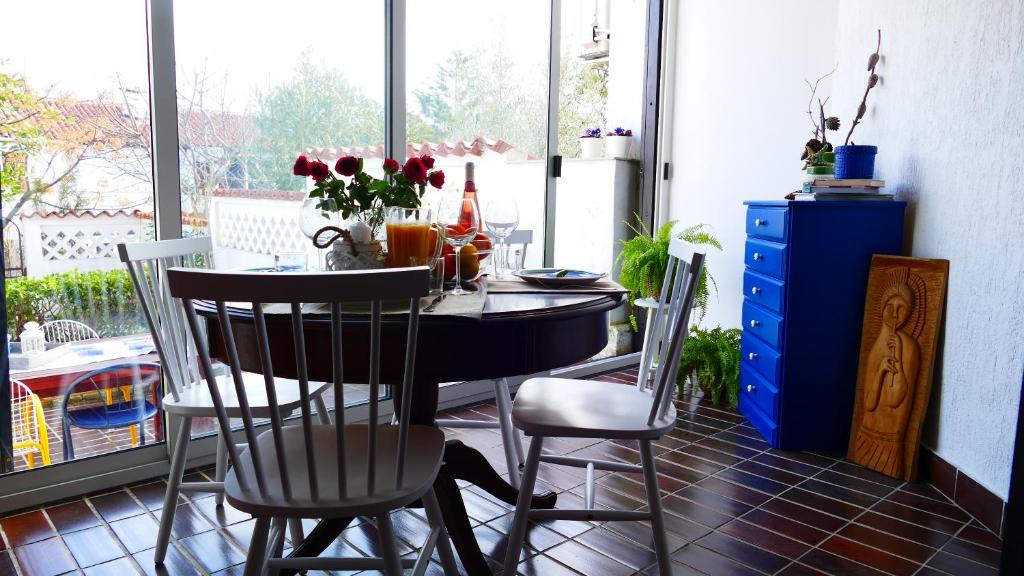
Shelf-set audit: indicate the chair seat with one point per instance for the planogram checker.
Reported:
(110, 416)
(586, 409)
(195, 400)
(422, 462)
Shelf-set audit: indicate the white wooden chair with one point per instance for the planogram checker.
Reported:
(28, 425)
(510, 440)
(322, 471)
(591, 409)
(65, 331)
(188, 395)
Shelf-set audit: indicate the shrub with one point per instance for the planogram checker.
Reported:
(103, 299)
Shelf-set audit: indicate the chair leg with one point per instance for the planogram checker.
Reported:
(444, 545)
(221, 465)
(654, 504)
(276, 550)
(295, 529)
(509, 436)
(322, 414)
(518, 441)
(517, 535)
(389, 546)
(69, 444)
(178, 456)
(257, 556)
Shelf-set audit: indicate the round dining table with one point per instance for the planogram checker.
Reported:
(517, 334)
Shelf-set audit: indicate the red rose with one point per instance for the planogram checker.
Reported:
(436, 179)
(428, 161)
(391, 166)
(318, 170)
(301, 167)
(347, 165)
(415, 170)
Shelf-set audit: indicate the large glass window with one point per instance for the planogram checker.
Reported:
(477, 78)
(76, 179)
(254, 95)
(258, 84)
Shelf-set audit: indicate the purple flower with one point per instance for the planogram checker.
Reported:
(591, 132)
(620, 132)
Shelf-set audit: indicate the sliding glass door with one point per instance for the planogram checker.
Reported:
(76, 181)
(228, 95)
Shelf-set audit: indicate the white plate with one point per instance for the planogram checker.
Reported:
(553, 277)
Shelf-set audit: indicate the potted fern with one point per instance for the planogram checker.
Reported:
(644, 260)
(711, 361)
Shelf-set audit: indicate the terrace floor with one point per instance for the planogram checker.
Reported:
(734, 507)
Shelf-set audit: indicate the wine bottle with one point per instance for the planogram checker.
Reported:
(469, 193)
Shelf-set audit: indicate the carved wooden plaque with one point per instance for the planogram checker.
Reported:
(902, 315)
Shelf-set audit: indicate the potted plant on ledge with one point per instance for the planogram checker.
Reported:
(618, 142)
(591, 143)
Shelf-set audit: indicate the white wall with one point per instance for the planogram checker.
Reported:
(740, 120)
(949, 124)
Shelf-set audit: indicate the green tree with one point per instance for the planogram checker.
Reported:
(476, 95)
(316, 107)
(582, 99)
(33, 128)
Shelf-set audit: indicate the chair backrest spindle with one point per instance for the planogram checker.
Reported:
(147, 264)
(671, 325)
(336, 288)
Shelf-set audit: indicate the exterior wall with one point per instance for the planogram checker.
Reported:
(946, 118)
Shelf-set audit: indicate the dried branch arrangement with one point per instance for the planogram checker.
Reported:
(872, 82)
(816, 149)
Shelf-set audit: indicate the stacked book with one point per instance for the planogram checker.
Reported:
(845, 189)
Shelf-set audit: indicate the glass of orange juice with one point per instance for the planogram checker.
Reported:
(409, 236)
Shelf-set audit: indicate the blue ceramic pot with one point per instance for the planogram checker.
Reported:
(855, 161)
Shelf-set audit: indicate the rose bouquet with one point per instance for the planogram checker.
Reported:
(365, 196)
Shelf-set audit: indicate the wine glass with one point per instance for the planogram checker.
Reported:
(502, 219)
(314, 214)
(459, 221)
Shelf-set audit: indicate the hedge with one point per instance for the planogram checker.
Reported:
(103, 299)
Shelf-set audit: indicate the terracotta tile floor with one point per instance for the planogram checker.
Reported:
(734, 507)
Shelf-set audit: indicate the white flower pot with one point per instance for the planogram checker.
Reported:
(618, 146)
(591, 147)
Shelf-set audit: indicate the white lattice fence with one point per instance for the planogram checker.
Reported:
(249, 232)
(77, 241)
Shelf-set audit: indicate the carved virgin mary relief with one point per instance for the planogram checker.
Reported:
(901, 316)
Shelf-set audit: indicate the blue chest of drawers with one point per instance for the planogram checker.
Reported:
(805, 277)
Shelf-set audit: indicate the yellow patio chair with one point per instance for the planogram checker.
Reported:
(28, 425)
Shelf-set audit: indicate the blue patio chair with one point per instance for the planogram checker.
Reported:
(133, 383)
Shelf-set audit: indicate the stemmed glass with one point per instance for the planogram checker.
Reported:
(459, 221)
(314, 214)
(502, 219)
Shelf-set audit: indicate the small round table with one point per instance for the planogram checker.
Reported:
(517, 334)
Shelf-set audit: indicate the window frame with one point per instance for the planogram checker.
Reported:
(28, 488)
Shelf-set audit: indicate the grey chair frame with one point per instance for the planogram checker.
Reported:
(512, 443)
(281, 474)
(670, 331)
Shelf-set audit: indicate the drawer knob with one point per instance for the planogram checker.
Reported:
(754, 323)
(755, 290)
(752, 355)
(759, 222)
(751, 388)
(758, 256)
